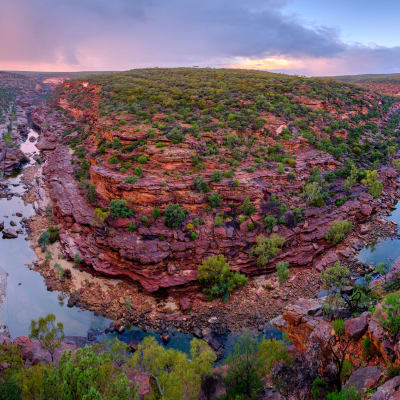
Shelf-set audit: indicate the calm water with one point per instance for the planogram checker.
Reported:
(27, 297)
(385, 251)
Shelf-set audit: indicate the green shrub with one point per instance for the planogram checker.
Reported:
(101, 376)
(77, 259)
(131, 179)
(218, 220)
(375, 187)
(269, 222)
(336, 276)
(179, 375)
(319, 388)
(267, 248)
(143, 159)
(54, 233)
(139, 171)
(114, 159)
(116, 144)
(390, 320)
(215, 199)
(392, 371)
(348, 393)
(176, 135)
(193, 235)
(174, 215)
(218, 279)
(338, 230)
(367, 347)
(145, 220)
(132, 227)
(338, 327)
(200, 185)
(313, 194)
(90, 193)
(119, 208)
(247, 207)
(216, 176)
(156, 212)
(282, 269)
(44, 240)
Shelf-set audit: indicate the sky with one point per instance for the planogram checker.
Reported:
(305, 37)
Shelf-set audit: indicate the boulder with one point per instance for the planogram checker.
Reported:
(9, 234)
(365, 378)
(390, 390)
(377, 336)
(185, 304)
(302, 325)
(356, 327)
(142, 379)
(26, 347)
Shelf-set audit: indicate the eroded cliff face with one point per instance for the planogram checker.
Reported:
(160, 257)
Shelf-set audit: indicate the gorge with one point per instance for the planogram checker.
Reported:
(242, 157)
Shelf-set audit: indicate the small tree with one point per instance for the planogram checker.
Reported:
(337, 346)
(267, 248)
(247, 207)
(86, 374)
(218, 279)
(351, 180)
(173, 374)
(336, 276)
(313, 194)
(99, 216)
(282, 269)
(50, 333)
(245, 367)
(375, 187)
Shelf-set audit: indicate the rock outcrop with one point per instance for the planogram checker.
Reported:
(141, 247)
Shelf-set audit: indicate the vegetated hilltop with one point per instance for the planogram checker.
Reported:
(388, 84)
(172, 166)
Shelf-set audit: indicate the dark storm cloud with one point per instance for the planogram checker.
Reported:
(121, 34)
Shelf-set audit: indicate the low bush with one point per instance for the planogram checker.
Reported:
(247, 207)
(282, 270)
(269, 222)
(218, 279)
(338, 230)
(174, 215)
(119, 208)
(267, 248)
(215, 199)
(156, 212)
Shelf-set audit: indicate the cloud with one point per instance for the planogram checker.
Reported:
(123, 34)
